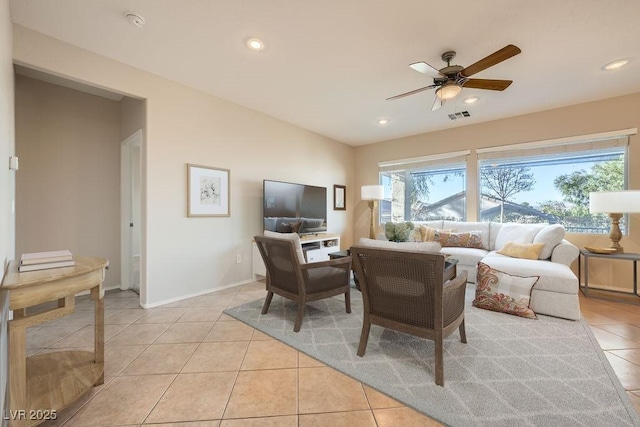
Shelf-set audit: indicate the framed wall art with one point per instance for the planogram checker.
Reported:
(208, 191)
(339, 198)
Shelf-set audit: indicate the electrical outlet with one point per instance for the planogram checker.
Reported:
(238, 259)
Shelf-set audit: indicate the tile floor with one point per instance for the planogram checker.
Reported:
(188, 364)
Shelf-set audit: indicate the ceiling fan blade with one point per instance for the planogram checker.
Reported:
(437, 104)
(424, 68)
(488, 84)
(491, 60)
(402, 95)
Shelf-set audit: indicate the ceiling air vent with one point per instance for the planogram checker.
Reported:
(459, 115)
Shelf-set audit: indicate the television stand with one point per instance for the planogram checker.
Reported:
(316, 248)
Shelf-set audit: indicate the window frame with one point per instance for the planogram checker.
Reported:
(598, 145)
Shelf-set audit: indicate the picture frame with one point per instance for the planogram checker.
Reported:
(208, 191)
(339, 197)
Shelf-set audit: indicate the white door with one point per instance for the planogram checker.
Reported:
(131, 206)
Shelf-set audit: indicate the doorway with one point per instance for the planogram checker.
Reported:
(131, 211)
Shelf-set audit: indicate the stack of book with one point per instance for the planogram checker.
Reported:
(45, 260)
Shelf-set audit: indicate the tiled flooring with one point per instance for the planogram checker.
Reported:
(187, 364)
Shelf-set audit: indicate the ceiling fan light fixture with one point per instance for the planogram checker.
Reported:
(448, 91)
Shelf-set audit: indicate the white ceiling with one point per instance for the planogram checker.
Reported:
(330, 64)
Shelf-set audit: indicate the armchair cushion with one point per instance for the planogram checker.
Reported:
(289, 236)
(433, 247)
(502, 292)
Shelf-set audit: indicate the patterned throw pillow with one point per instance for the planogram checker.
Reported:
(471, 239)
(503, 292)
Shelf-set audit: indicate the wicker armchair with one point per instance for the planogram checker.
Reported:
(404, 291)
(302, 283)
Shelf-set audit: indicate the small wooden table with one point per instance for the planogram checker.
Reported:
(41, 385)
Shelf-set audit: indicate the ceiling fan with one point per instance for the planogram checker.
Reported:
(450, 80)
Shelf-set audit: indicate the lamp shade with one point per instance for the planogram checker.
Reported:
(614, 201)
(372, 192)
(448, 91)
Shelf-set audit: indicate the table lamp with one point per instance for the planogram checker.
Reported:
(615, 203)
(372, 193)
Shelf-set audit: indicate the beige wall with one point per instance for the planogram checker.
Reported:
(187, 256)
(7, 183)
(589, 118)
(68, 186)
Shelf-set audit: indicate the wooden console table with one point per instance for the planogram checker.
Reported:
(42, 385)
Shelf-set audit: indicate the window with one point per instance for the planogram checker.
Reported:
(551, 184)
(423, 189)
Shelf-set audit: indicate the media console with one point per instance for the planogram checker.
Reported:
(316, 248)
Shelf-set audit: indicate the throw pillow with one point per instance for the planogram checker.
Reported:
(289, 236)
(503, 292)
(522, 250)
(471, 239)
(416, 236)
(423, 233)
(521, 233)
(551, 236)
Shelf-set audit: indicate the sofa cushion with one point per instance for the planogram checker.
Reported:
(503, 292)
(472, 239)
(521, 250)
(433, 247)
(520, 233)
(550, 236)
(466, 256)
(289, 236)
(554, 277)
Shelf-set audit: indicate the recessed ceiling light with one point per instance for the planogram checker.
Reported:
(383, 122)
(255, 44)
(471, 100)
(616, 64)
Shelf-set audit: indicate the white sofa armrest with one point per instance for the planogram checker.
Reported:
(565, 253)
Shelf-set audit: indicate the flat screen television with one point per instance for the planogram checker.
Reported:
(297, 208)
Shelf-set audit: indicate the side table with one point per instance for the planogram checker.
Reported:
(585, 255)
(42, 385)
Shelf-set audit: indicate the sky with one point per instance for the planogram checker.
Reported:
(543, 190)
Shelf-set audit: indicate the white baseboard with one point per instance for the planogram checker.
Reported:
(196, 294)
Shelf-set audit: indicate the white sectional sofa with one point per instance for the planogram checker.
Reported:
(555, 293)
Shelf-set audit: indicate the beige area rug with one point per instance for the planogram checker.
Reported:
(512, 371)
